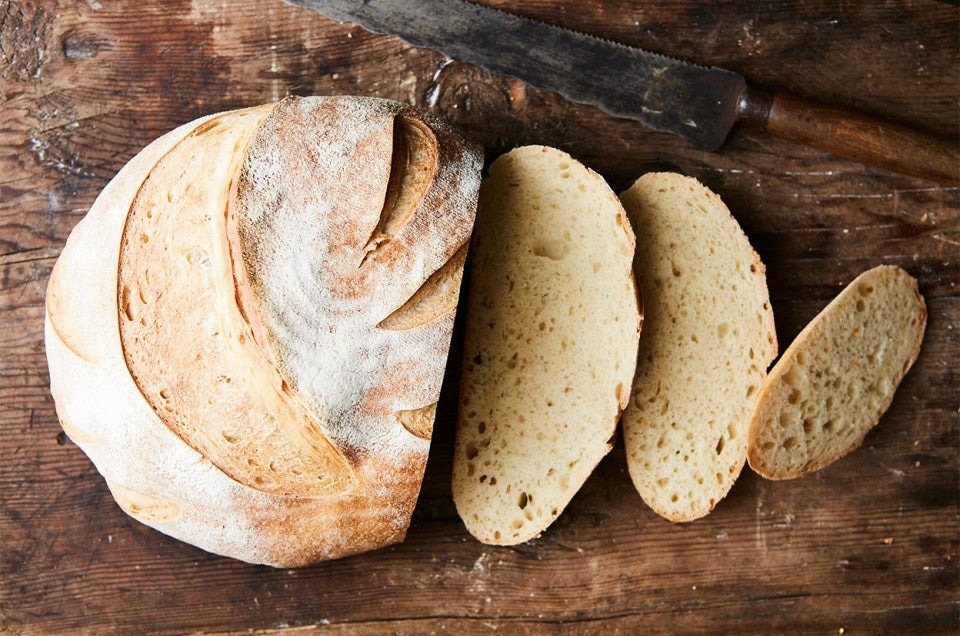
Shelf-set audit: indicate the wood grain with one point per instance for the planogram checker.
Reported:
(869, 544)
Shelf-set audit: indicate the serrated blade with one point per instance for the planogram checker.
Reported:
(695, 102)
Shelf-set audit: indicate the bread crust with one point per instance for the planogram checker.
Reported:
(280, 284)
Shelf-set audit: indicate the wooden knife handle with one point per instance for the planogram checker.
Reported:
(848, 133)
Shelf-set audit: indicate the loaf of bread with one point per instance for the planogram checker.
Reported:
(248, 332)
(838, 377)
(707, 341)
(551, 340)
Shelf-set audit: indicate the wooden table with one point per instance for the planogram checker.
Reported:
(867, 545)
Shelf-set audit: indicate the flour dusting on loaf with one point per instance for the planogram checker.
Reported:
(214, 328)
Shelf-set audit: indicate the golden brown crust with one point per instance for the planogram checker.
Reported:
(243, 308)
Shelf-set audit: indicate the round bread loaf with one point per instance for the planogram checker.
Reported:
(248, 332)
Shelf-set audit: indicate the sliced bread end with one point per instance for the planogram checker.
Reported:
(838, 377)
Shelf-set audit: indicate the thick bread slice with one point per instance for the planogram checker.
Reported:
(551, 340)
(838, 377)
(247, 334)
(707, 341)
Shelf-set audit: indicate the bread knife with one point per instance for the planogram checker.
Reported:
(698, 103)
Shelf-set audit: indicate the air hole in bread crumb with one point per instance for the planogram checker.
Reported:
(553, 249)
(483, 478)
(828, 426)
(861, 305)
(807, 426)
(472, 451)
(674, 497)
(794, 396)
(493, 481)
(522, 501)
(789, 443)
(125, 306)
(865, 290)
(482, 428)
(720, 444)
(164, 394)
(228, 438)
(722, 330)
(516, 524)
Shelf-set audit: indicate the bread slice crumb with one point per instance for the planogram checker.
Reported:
(708, 339)
(551, 341)
(838, 377)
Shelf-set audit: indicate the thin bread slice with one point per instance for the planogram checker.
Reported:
(551, 340)
(838, 377)
(708, 339)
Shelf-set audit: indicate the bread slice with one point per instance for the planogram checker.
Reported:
(551, 340)
(248, 332)
(707, 341)
(838, 377)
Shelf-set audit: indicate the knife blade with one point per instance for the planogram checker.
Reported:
(700, 104)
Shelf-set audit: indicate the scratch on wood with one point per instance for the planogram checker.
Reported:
(28, 256)
(880, 195)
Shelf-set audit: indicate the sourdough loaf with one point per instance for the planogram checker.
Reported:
(707, 341)
(837, 378)
(248, 332)
(551, 339)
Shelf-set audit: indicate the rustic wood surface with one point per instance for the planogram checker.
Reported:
(867, 545)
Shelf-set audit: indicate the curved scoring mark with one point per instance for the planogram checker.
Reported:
(419, 422)
(142, 506)
(437, 296)
(412, 169)
(61, 318)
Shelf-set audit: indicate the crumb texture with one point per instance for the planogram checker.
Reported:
(707, 341)
(838, 377)
(552, 330)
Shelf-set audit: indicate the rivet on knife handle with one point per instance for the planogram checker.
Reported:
(700, 104)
